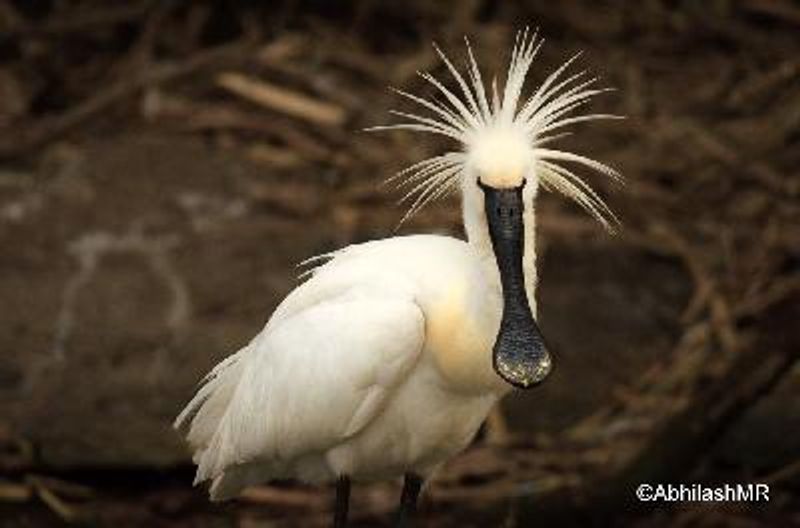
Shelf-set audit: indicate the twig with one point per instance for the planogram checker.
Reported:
(192, 116)
(282, 100)
(719, 148)
(50, 128)
(13, 492)
(84, 20)
(783, 10)
(58, 506)
(764, 82)
(68, 489)
(284, 497)
(783, 473)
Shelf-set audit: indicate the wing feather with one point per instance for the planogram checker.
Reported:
(304, 385)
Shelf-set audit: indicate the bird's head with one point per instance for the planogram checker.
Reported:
(500, 158)
(502, 161)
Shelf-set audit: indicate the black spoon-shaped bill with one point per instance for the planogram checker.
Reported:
(519, 354)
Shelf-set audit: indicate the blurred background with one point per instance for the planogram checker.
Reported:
(164, 165)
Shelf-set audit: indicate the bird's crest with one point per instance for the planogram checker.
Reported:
(504, 126)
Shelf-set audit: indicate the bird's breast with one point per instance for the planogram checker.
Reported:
(461, 324)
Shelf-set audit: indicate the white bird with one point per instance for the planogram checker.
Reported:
(386, 361)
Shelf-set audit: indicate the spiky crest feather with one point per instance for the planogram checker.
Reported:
(471, 118)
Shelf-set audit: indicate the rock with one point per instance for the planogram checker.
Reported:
(140, 266)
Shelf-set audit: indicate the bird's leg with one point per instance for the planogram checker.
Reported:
(408, 500)
(342, 502)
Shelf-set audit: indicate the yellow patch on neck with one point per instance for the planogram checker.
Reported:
(460, 342)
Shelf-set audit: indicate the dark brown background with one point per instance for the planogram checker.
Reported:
(152, 212)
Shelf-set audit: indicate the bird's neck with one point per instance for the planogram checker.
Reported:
(477, 231)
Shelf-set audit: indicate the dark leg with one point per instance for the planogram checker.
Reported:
(342, 502)
(408, 500)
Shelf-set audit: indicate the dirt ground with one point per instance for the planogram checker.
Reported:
(164, 166)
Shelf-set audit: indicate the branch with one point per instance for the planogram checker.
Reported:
(50, 128)
(674, 450)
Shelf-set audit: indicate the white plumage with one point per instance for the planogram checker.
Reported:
(380, 364)
(339, 379)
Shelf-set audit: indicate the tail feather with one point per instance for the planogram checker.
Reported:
(203, 415)
(230, 483)
(218, 376)
(309, 468)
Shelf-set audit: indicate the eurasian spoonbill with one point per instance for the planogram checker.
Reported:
(386, 361)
